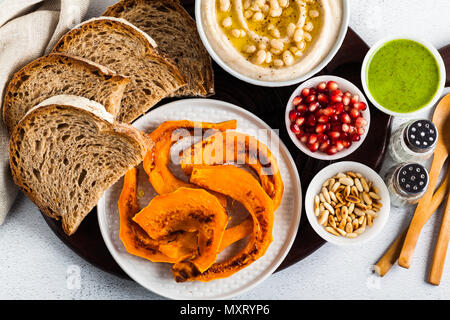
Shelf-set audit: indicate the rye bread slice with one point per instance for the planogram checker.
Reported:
(122, 47)
(168, 23)
(56, 74)
(63, 156)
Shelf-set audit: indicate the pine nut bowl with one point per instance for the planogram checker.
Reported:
(347, 203)
(272, 43)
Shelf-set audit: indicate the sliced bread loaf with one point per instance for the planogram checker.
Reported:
(67, 151)
(168, 23)
(57, 74)
(122, 47)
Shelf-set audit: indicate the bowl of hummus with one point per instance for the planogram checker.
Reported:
(272, 42)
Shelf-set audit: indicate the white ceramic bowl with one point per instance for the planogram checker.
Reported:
(243, 77)
(315, 188)
(344, 85)
(427, 45)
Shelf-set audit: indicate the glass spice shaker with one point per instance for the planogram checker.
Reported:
(407, 183)
(413, 141)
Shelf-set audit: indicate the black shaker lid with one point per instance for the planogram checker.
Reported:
(412, 178)
(421, 135)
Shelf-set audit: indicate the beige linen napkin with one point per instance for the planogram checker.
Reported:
(28, 30)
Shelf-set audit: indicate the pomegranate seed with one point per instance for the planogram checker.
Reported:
(323, 119)
(312, 138)
(297, 100)
(311, 120)
(318, 113)
(360, 131)
(355, 137)
(313, 91)
(336, 98)
(339, 145)
(300, 121)
(334, 135)
(360, 106)
(348, 94)
(345, 118)
(346, 100)
(354, 113)
(303, 138)
(331, 150)
(324, 146)
(310, 98)
(320, 128)
(360, 122)
(322, 138)
(347, 144)
(322, 98)
(328, 111)
(355, 98)
(313, 106)
(334, 118)
(322, 86)
(332, 85)
(302, 108)
(293, 114)
(305, 92)
(345, 128)
(295, 128)
(338, 107)
(351, 129)
(336, 92)
(314, 146)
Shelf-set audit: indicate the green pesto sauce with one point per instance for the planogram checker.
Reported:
(403, 76)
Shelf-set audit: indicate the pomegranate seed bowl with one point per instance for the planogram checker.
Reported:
(327, 117)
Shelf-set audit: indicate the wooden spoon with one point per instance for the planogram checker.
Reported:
(441, 119)
(391, 255)
(440, 251)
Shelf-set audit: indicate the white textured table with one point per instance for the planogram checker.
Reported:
(34, 264)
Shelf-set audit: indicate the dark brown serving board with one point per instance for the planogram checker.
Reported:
(269, 105)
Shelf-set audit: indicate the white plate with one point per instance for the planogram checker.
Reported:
(157, 277)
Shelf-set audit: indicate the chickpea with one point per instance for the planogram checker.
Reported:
(247, 4)
(301, 44)
(277, 44)
(265, 8)
(307, 36)
(248, 14)
(243, 33)
(249, 48)
(290, 29)
(268, 57)
(255, 7)
(258, 16)
(275, 51)
(283, 3)
(295, 51)
(270, 27)
(227, 22)
(260, 57)
(298, 35)
(225, 5)
(275, 32)
(278, 63)
(236, 33)
(288, 59)
(314, 13)
(274, 4)
(260, 3)
(275, 12)
(309, 26)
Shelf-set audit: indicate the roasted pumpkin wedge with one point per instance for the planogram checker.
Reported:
(236, 233)
(188, 210)
(157, 160)
(240, 148)
(135, 239)
(241, 186)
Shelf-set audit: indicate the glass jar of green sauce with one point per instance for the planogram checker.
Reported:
(407, 183)
(413, 141)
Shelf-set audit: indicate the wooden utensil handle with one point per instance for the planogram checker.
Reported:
(391, 255)
(440, 251)
(422, 210)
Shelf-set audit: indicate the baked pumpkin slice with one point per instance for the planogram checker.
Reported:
(239, 148)
(187, 210)
(174, 248)
(157, 160)
(241, 186)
